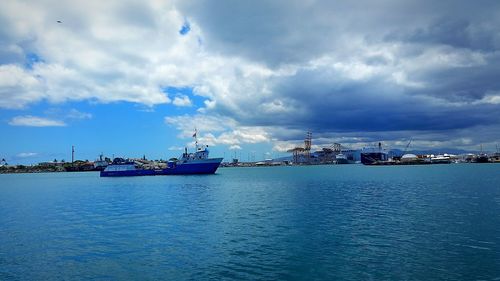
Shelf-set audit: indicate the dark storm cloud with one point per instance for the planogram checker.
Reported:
(284, 31)
(370, 106)
(434, 62)
(264, 32)
(457, 32)
(463, 84)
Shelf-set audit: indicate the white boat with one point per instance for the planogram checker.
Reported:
(441, 159)
(341, 159)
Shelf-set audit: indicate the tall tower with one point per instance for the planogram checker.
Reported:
(72, 154)
(307, 146)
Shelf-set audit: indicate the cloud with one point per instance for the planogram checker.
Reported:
(34, 121)
(212, 130)
(187, 124)
(182, 100)
(18, 87)
(372, 73)
(26, 154)
(235, 147)
(284, 146)
(490, 98)
(78, 115)
(94, 54)
(389, 70)
(176, 148)
(55, 117)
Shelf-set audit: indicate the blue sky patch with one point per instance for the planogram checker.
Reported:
(186, 27)
(31, 59)
(197, 101)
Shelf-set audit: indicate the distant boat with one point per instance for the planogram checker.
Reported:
(341, 159)
(374, 155)
(495, 158)
(441, 159)
(482, 158)
(100, 165)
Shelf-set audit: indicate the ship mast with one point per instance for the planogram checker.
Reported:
(195, 136)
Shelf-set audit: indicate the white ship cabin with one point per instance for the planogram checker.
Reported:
(121, 167)
(200, 154)
(120, 164)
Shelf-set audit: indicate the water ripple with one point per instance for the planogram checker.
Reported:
(283, 223)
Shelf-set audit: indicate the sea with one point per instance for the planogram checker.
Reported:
(331, 222)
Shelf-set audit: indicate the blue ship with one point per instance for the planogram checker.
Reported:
(188, 164)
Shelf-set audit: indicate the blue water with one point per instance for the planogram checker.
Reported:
(342, 222)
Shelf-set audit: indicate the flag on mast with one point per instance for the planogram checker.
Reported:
(194, 135)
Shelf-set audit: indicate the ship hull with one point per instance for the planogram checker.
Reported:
(371, 158)
(131, 173)
(202, 167)
(342, 161)
(482, 159)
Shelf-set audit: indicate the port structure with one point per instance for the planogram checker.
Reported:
(327, 155)
(296, 152)
(336, 148)
(307, 146)
(303, 154)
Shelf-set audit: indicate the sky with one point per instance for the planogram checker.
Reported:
(135, 78)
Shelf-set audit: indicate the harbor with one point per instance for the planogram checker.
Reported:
(374, 155)
(249, 140)
(334, 154)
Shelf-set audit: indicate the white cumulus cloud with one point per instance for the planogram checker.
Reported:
(34, 121)
(26, 154)
(182, 100)
(345, 70)
(75, 114)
